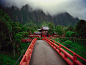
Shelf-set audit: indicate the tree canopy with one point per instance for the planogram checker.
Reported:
(59, 30)
(81, 28)
(52, 28)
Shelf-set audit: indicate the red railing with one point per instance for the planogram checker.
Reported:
(27, 56)
(26, 40)
(65, 55)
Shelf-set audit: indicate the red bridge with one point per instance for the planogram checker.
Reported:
(49, 52)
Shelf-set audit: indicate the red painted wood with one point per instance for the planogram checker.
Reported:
(27, 56)
(26, 40)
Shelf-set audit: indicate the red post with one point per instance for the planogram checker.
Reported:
(65, 56)
(59, 48)
(74, 58)
(53, 44)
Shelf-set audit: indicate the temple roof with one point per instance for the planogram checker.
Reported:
(38, 29)
(45, 28)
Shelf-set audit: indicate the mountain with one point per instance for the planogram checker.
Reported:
(25, 15)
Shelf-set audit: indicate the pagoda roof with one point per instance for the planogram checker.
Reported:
(38, 29)
(45, 28)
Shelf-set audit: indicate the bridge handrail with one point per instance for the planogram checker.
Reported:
(27, 56)
(66, 54)
(69, 50)
(72, 47)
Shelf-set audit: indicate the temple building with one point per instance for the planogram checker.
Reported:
(43, 32)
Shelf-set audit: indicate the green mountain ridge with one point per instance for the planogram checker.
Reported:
(25, 15)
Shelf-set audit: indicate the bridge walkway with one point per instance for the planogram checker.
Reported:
(44, 54)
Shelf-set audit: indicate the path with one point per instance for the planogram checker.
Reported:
(44, 54)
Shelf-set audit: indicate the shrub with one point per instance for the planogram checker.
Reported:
(4, 60)
(69, 43)
(71, 34)
(62, 40)
(68, 34)
(22, 46)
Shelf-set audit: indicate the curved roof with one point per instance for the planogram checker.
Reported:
(38, 29)
(45, 28)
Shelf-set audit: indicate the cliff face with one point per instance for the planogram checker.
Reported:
(24, 15)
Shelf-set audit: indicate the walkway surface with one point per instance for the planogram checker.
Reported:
(44, 54)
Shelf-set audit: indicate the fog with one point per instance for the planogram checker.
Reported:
(76, 8)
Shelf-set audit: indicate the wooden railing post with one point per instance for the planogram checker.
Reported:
(53, 41)
(65, 56)
(59, 48)
(74, 58)
(53, 44)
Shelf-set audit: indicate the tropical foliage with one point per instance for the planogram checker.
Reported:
(11, 34)
(10, 39)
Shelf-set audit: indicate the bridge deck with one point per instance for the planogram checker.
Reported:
(44, 54)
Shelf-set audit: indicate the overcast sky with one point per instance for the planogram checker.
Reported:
(76, 8)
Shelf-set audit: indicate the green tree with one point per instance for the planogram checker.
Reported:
(51, 25)
(80, 24)
(70, 28)
(50, 31)
(24, 34)
(24, 28)
(59, 30)
(80, 28)
(52, 28)
(82, 31)
(71, 34)
(68, 34)
(18, 38)
(5, 29)
(9, 32)
(32, 30)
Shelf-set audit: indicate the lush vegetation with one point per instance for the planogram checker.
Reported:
(6, 57)
(11, 34)
(75, 37)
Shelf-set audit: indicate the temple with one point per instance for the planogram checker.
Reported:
(43, 32)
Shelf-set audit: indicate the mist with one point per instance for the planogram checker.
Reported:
(76, 8)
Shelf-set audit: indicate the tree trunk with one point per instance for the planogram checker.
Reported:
(17, 50)
(10, 35)
(13, 50)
